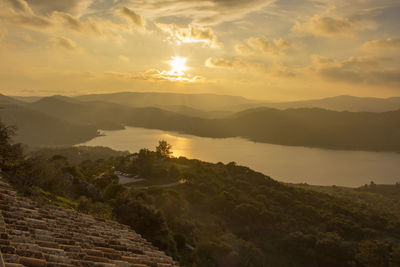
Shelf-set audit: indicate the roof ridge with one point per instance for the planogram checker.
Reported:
(34, 235)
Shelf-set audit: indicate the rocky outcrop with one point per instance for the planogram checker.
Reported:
(34, 235)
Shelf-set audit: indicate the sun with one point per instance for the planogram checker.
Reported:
(178, 66)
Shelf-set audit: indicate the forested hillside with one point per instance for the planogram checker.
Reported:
(220, 215)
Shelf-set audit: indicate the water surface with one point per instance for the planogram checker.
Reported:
(284, 163)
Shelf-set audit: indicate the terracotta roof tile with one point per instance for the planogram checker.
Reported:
(48, 236)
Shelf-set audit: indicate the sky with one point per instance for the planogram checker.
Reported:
(276, 50)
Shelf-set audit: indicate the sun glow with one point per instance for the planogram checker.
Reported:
(178, 66)
(177, 72)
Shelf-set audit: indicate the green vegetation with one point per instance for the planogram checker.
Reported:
(224, 215)
(77, 154)
(379, 197)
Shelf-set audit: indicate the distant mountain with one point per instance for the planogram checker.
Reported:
(315, 127)
(296, 127)
(344, 103)
(205, 102)
(192, 112)
(39, 129)
(6, 100)
(102, 115)
(311, 127)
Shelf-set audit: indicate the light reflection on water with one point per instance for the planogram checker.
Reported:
(284, 163)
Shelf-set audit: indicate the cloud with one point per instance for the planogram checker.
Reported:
(21, 14)
(30, 21)
(47, 7)
(389, 43)
(200, 12)
(261, 45)
(365, 70)
(331, 27)
(64, 43)
(248, 66)
(191, 34)
(69, 20)
(20, 6)
(135, 18)
(155, 75)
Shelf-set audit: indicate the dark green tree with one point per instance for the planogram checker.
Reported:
(163, 149)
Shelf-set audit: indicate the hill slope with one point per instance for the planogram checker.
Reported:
(206, 102)
(40, 129)
(224, 215)
(310, 127)
(344, 103)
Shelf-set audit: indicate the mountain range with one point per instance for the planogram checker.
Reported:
(60, 120)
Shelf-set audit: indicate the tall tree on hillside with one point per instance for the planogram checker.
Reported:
(163, 149)
(10, 154)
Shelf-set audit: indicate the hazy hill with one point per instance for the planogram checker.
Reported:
(192, 112)
(6, 100)
(298, 127)
(312, 127)
(197, 101)
(97, 114)
(27, 99)
(320, 128)
(39, 129)
(344, 103)
(104, 115)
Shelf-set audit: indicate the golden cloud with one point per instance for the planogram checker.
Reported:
(191, 34)
(261, 45)
(64, 43)
(331, 27)
(155, 75)
(249, 66)
(389, 43)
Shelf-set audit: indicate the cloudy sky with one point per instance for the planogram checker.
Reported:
(263, 49)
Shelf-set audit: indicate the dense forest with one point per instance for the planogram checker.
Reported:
(219, 215)
(64, 121)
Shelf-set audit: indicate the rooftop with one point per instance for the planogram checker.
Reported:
(35, 235)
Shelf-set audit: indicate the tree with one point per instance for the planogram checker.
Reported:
(163, 149)
(10, 154)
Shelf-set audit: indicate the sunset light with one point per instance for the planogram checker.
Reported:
(178, 66)
(214, 133)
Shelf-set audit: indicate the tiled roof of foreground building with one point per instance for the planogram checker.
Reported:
(33, 235)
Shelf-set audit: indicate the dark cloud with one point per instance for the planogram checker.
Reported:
(135, 18)
(29, 21)
(46, 7)
(200, 12)
(19, 6)
(364, 70)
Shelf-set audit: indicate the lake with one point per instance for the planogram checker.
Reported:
(284, 163)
